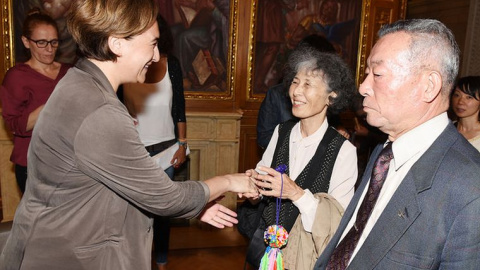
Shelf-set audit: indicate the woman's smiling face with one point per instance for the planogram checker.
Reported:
(139, 53)
(309, 94)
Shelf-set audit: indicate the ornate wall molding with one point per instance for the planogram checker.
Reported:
(375, 13)
(7, 36)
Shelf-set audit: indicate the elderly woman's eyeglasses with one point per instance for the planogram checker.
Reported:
(42, 43)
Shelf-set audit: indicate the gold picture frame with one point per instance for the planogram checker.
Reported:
(355, 20)
(7, 36)
(220, 91)
(372, 14)
(225, 89)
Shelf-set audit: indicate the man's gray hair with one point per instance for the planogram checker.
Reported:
(433, 46)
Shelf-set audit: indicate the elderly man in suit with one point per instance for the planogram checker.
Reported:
(418, 205)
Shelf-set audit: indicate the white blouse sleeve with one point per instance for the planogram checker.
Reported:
(342, 184)
(307, 205)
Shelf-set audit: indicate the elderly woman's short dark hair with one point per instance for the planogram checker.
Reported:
(334, 71)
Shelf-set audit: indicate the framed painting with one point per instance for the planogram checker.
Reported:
(279, 25)
(204, 34)
(57, 9)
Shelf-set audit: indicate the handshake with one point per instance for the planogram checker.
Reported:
(251, 185)
(273, 183)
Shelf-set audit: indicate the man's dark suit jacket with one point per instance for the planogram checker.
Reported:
(276, 108)
(433, 219)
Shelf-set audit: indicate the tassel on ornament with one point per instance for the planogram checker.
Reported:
(275, 236)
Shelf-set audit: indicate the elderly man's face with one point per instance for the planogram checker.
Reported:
(391, 89)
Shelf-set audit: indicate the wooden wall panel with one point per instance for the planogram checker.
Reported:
(250, 152)
(471, 50)
(454, 14)
(214, 143)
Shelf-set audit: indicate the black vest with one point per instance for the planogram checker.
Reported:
(315, 176)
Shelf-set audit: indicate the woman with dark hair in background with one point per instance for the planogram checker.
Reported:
(27, 86)
(159, 108)
(466, 106)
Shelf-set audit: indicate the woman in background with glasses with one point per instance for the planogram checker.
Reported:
(27, 86)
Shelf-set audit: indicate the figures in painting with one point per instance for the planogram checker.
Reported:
(201, 32)
(282, 24)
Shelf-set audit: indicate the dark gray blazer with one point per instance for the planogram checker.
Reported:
(432, 220)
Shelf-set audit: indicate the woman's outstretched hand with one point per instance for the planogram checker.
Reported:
(218, 215)
(244, 185)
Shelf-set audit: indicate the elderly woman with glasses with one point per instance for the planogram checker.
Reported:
(27, 86)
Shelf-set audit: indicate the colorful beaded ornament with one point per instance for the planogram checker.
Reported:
(275, 237)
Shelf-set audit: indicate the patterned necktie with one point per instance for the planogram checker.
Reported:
(342, 253)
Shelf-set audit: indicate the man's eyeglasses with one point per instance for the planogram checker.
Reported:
(42, 43)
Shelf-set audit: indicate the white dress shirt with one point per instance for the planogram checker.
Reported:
(407, 149)
(344, 174)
